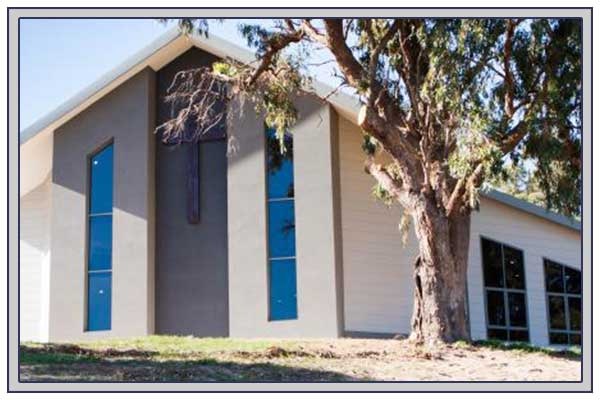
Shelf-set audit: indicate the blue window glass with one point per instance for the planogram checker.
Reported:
(99, 263)
(101, 181)
(281, 228)
(100, 254)
(283, 289)
(280, 166)
(99, 307)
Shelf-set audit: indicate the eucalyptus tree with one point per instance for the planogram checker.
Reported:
(452, 103)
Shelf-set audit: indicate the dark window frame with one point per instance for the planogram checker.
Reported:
(565, 296)
(505, 292)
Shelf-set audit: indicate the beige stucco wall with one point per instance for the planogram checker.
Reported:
(378, 269)
(318, 278)
(125, 116)
(34, 255)
(36, 162)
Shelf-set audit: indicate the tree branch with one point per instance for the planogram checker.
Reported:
(399, 144)
(336, 43)
(405, 73)
(312, 32)
(379, 48)
(463, 185)
(514, 137)
(516, 134)
(274, 45)
(393, 187)
(509, 83)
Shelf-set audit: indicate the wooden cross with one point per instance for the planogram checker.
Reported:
(193, 172)
(193, 182)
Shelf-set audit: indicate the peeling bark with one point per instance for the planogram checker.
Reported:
(440, 273)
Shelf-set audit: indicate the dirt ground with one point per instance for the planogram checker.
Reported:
(200, 360)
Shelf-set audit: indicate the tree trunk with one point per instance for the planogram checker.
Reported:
(440, 272)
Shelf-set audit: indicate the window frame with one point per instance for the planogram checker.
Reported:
(88, 217)
(505, 292)
(565, 296)
(269, 259)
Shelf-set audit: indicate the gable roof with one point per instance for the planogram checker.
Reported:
(155, 55)
(38, 136)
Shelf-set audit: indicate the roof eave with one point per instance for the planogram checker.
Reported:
(533, 209)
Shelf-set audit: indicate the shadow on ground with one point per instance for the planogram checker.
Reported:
(71, 363)
(189, 359)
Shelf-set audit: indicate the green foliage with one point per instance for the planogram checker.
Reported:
(190, 26)
(521, 181)
(277, 102)
(464, 82)
(461, 77)
(225, 69)
(472, 150)
(256, 36)
(380, 193)
(273, 96)
(369, 145)
(482, 91)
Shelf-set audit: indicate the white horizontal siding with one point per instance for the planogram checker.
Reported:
(378, 285)
(538, 239)
(33, 265)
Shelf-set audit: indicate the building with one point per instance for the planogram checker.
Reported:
(123, 235)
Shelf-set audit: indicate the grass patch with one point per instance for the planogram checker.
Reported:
(191, 359)
(573, 351)
(156, 348)
(28, 357)
(165, 344)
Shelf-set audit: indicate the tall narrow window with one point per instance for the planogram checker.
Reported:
(504, 280)
(563, 290)
(281, 227)
(99, 263)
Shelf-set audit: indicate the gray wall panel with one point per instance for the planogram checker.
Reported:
(318, 265)
(191, 259)
(123, 116)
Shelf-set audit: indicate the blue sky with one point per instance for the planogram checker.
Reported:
(59, 57)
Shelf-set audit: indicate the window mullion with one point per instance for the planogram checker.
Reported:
(568, 331)
(505, 286)
(506, 310)
(567, 316)
(563, 273)
(505, 292)
(508, 293)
